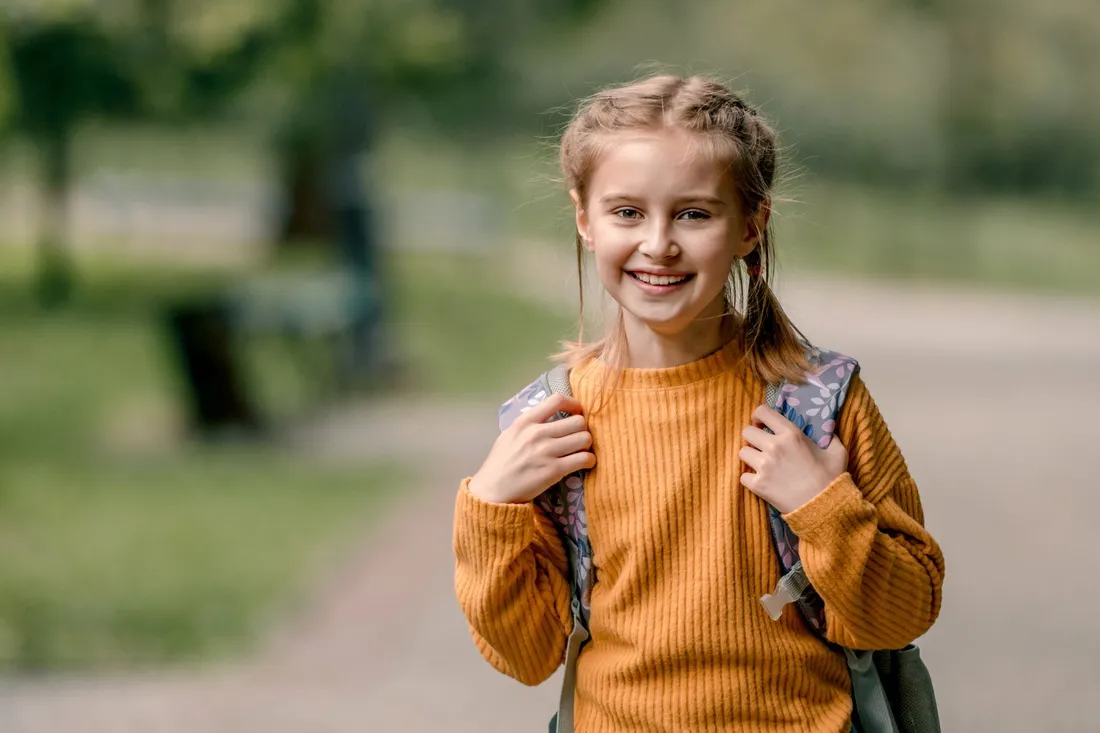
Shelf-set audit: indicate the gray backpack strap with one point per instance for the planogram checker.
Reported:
(577, 639)
(564, 503)
(869, 700)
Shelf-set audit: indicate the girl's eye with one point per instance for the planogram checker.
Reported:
(695, 215)
(628, 213)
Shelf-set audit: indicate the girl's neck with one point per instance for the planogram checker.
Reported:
(649, 349)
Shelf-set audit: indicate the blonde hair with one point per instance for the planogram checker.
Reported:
(732, 131)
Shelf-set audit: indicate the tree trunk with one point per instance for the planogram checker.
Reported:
(55, 270)
(307, 217)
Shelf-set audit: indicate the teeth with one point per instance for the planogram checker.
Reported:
(659, 279)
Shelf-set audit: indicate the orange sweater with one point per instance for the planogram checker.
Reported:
(683, 553)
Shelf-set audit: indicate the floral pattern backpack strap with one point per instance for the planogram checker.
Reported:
(563, 502)
(527, 398)
(813, 405)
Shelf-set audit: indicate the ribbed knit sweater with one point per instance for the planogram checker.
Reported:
(682, 551)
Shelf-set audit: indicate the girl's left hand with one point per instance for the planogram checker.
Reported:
(790, 469)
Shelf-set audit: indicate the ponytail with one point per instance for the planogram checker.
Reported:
(772, 347)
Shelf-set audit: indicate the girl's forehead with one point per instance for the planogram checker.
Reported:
(668, 156)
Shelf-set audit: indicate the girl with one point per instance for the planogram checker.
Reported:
(671, 179)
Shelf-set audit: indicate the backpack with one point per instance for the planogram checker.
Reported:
(891, 689)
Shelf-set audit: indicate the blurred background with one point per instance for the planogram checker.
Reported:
(268, 268)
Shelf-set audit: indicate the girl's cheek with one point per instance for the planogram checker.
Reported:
(613, 238)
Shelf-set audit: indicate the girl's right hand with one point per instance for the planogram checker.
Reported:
(534, 453)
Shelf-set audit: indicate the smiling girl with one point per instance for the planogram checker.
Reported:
(671, 182)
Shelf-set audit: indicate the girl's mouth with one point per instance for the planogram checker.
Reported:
(652, 283)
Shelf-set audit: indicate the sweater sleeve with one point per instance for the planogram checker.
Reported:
(863, 543)
(511, 582)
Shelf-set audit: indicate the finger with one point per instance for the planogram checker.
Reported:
(572, 443)
(748, 480)
(756, 437)
(771, 419)
(574, 462)
(549, 407)
(565, 426)
(751, 457)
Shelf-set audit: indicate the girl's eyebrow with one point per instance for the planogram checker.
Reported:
(703, 199)
(690, 198)
(611, 197)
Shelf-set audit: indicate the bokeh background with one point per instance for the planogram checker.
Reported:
(267, 268)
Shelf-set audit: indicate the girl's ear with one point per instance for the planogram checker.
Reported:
(756, 224)
(582, 218)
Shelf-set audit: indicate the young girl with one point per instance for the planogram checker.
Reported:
(671, 182)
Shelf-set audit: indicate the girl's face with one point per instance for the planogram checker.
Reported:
(665, 226)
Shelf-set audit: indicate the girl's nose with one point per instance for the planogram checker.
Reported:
(659, 244)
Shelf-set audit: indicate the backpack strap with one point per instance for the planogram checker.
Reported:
(814, 406)
(564, 503)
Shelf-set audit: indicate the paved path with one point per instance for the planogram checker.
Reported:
(992, 399)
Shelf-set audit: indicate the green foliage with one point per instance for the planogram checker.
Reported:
(64, 73)
(971, 96)
(966, 96)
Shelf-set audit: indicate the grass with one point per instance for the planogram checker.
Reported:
(122, 546)
(116, 562)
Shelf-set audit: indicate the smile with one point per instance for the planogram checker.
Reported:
(663, 281)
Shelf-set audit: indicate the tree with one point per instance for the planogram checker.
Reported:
(103, 60)
(63, 73)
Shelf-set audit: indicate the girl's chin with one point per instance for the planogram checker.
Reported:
(671, 325)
